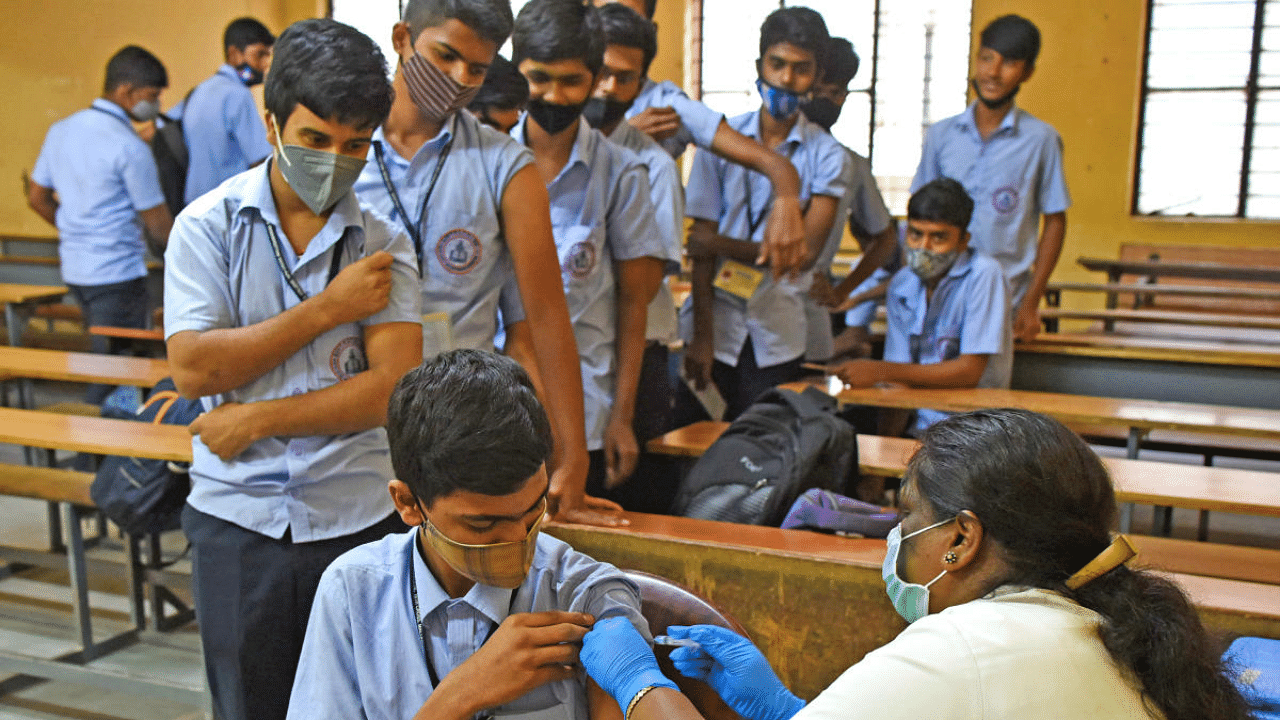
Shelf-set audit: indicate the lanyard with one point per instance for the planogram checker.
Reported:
(753, 224)
(334, 266)
(414, 230)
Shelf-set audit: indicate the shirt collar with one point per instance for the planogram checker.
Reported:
(114, 109)
(582, 143)
(229, 72)
(430, 147)
(1008, 124)
(257, 196)
(795, 137)
(494, 603)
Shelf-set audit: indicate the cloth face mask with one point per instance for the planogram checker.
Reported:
(553, 117)
(601, 112)
(248, 75)
(435, 93)
(144, 110)
(319, 178)
(821, 111)
(910, 600)
(781, 104)
(502, 565)
(930, 265)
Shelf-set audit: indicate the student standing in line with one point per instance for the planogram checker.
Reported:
(502, 96)
(224, 133)
(291, 311)
(476, 209)
(1011, 165)
(612, 259)
(108, 203)
(743, 330)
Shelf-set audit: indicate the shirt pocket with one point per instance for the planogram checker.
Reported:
(580, 254)
(453, 251)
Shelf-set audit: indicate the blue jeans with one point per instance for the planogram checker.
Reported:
(122, 304)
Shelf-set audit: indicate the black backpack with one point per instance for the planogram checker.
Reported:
(784, 444)
(169, 147)
(140, 495)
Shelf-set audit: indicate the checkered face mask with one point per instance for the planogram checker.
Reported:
(502, 565)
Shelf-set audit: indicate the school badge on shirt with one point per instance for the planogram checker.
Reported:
(458, 251)
(347, 359)
(1005, 200)
(581, 259)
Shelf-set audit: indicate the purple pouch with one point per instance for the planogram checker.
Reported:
(827, 511)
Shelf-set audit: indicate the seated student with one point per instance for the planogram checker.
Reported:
(291, 311)
(502, 96)
(611, 258)
(948, 308)
(472, 610)
(749, 334)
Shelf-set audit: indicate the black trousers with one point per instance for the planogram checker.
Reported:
(253, 596)
(740, 386)
(122, 304)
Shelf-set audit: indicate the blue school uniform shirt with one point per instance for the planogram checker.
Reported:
(667, 195)
(968, 315)
(600, 214)
(698, 123)
(774, 316)
(221, 272)
(224, 131)
(363, 657)
(104, 175)
(1014, 177)
(465, 260)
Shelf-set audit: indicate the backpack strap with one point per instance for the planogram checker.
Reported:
(167, 397)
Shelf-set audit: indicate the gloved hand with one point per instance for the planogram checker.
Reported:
(619, 659)
(736, 670)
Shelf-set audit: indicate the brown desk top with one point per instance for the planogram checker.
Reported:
(1204, 270)
(94, 435)
(1153, 348)
(13, 293)
(1208, 319)
(1247, 492)
(1238, 292)
(81, 367)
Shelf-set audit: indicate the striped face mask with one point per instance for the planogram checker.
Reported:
(502, 565)
(435, 93)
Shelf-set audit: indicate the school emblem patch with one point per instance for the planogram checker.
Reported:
(581, 260)
(1005, 200)
(347, 359)
(458, 251)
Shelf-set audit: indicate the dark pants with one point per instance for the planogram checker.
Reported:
(253, 596)
(122, 304)
(740, 386)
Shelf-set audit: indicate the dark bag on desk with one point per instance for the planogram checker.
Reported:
(784, 444)
(142, 495)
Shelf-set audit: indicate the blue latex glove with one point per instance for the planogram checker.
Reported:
(620, 660)
(736, 670)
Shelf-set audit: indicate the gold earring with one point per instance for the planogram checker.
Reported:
(951, 557)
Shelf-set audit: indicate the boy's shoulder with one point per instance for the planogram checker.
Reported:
(373, 568)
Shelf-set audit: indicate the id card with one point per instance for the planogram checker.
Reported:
(738, 279)
(437, 334)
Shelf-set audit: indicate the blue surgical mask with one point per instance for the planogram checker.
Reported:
(781, 104)
(911, 600)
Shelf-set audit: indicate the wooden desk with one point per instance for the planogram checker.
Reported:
(94, 435)
(20, 300)
(1201, 270)
(1110, 317)
(1248, 293)
(81, 367)
(1150, 348)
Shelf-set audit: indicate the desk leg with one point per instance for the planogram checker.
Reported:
(1113, 277)
(13, 320)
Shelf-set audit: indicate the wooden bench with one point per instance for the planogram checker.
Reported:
(1111, 317)
(1170, 350)
(20, 301)
(78, 367)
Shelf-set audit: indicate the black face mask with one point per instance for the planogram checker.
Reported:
(998, 102)
(604, 112)
(553, 117)
(250, 76)
(821, 111)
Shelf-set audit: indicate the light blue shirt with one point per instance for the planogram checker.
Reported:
(363, 656)
(465, 259)
(698, 123)
(221, 272)
(1014, 177)
(600, 214)
(667, 195)
(968, 315)
(224, 131)
(863, 313)
(104, 175)
(774, 316)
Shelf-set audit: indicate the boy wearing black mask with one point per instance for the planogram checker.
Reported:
(291, 311)
(611, 259)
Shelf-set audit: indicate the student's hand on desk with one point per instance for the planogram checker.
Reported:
(1026, 324)
(226, 430)
(858, 373)
(658, 123)
(621, 452)
(784, 247)
(566, 501)
(360, 289)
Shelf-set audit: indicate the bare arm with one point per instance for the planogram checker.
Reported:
(638, 281)
(215, 361)
(353, 405)
(704, 240)
(663, 703)
(600, 706)
(961, 372)
(156, 223)
(41, 199)
(520, 348)
(1026, 320)
(875, 256)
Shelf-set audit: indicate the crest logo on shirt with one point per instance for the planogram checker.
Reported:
(458, 251)
(1005, 200)
(581, 260)
(347, 359)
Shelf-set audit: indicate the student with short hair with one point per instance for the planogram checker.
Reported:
(220, 122)
(1010, 163)
(473, 610)
(502, 96)
(291, 311)
(743, 330)
(948, 309)
(476, 209)
(108, 201)
(611, 258)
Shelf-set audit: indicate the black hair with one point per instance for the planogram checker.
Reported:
(839, 63)
(466, 420)
(1046, 500)
(334, 70)
(1014, 37)
(800, 26)
(552, 30)
(504, 87)
(135, 66)
(622, 26)
(490, 19)
(942, 200)
(246, 31)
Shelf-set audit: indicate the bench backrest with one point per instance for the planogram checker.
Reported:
(1248, 257)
